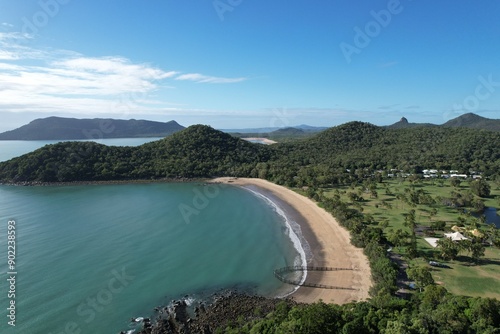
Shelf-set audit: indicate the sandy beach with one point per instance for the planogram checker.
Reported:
(263, 140)
(330, 246)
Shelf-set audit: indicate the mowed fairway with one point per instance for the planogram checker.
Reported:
(389, 210)
(477, 280)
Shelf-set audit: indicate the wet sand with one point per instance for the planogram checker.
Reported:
(329, 246)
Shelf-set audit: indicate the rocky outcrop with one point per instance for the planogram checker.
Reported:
(226, 309)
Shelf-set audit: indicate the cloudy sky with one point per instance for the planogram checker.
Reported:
(242, 63)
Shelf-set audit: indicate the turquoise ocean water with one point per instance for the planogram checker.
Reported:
(91, 257)
(88, 258)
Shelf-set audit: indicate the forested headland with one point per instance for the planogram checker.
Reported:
(335, 156)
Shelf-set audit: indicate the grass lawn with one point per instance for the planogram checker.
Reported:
(461, 278)
(481, 280)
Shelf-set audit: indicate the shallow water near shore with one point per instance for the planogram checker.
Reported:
(91, 257)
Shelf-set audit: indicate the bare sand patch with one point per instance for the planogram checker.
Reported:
(262, 140)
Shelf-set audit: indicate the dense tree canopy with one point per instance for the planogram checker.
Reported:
(432, 311)
(338, 155)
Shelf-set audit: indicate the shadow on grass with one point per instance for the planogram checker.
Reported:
(442, 266)
(428, 253)
(490, 261)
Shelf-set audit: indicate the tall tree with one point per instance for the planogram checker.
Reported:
(421, 275)
(448, 249)
(481, 188)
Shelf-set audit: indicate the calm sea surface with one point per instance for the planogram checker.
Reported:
(12, 148)
(92, 257)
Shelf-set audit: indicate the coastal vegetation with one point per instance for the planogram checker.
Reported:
(432, 311)
(198, 151)
(371, 179)
(407, 211)
(340, 155)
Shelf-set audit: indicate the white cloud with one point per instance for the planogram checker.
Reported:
(107, 77)
(13, 36)
(200, 78)
(7, 25)
(7, 55)
(114, 65)
(52, 81)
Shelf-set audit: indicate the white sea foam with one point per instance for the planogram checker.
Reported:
(189, 301)
(294, 233)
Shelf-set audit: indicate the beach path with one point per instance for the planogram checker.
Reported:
(330, 246)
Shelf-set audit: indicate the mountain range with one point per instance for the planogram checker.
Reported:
(264, 131)
(469, 120)
(61, 128)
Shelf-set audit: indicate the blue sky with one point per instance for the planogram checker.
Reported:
(242, 63)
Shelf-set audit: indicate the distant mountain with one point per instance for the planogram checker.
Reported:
(250, 130)
(280, 134)
(404, 124)
(469, 120)
(474, 121)
(60, 128)
(287, 132)
(310, 128)
(307, 128)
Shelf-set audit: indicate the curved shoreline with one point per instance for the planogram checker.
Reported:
(329, 242)
(294, 235)
(330, 246)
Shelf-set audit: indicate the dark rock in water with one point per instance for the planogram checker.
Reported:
(180, 313)
(225, 309)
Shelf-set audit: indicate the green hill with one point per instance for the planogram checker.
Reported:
(198, 151)
(365, 145)
(474, 121)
